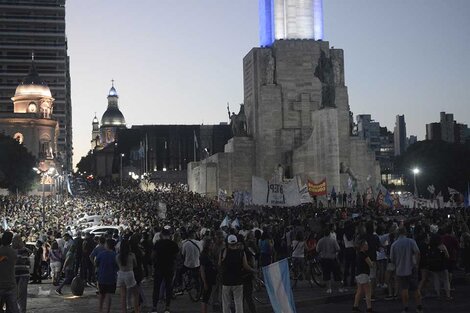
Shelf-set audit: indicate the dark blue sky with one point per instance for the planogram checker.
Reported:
(180, 61)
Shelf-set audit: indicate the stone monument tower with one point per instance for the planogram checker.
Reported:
(297, 111)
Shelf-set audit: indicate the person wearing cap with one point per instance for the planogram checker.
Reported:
(8, 257)
(232, 261)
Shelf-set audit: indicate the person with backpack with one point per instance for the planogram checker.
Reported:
(437, 258)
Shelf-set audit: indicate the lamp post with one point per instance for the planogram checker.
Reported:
(120, 171)
(44, 174)
(415, 172)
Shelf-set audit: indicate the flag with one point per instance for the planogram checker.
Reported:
(225, 222)
(222, 195)
(317, 189)
(396, 201)
(388, 199)
(431, 189)
(467, 197)
(69, 188)
(369, 194)
(235, 223)
(452, 191)
(196, 144)
(380, 199)
(277, 281)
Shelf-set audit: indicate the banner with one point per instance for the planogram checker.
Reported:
(317, 189)
(268, 193)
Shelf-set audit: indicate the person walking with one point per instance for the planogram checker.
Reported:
(364, 265)
(107, 275)
(8, 257)
(328, 249)
(165, 251)
(68, 269)
(21, 271)
(55, 257)
(405, 255)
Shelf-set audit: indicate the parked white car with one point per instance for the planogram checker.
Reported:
(91, 220)
(102, 230)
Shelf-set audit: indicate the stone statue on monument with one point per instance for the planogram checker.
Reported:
(238, 122)
(325, 73)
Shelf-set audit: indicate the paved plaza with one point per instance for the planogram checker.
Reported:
(42, 299)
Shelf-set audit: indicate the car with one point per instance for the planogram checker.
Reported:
(102, 230)
(92, 220)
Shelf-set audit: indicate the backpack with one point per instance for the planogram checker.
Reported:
(436, 260)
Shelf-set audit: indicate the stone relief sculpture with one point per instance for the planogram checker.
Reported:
(238, 122)
(345, 169)
(270, 68)
(324, 72)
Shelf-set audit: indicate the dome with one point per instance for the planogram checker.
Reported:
(112, 92)
(32, 85)
(113, 117)
(33, 90)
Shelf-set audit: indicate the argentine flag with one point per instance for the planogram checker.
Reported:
(277, 281)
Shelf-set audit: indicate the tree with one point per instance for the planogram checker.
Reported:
(86, 164)
(16, 165)
(441, 164)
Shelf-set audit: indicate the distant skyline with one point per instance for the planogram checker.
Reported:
(180, 61)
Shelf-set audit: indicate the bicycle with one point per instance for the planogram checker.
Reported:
(260, 294)
(191, 284)
(316, 273)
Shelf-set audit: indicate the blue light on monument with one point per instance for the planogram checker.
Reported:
(266, 25)
(318, 19)
(290, 19)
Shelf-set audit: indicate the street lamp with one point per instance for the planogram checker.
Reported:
(120, 171)
(415, 172)
(44, 174)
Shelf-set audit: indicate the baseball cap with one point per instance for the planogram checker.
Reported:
(232, 239)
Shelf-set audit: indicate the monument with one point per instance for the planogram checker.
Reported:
(296, 109)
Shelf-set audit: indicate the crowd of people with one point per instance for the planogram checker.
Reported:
(370, 249)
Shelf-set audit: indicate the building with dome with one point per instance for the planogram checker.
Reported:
(104, 136)
(111, 121)
(32, 122)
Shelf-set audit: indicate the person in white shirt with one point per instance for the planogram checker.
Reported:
(191, 251)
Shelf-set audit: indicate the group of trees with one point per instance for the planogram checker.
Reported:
(16, 165)
(441, 164)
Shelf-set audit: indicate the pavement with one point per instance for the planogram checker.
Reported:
(42, 299)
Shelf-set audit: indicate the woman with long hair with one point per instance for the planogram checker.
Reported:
(364, 265)
(126, 261)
